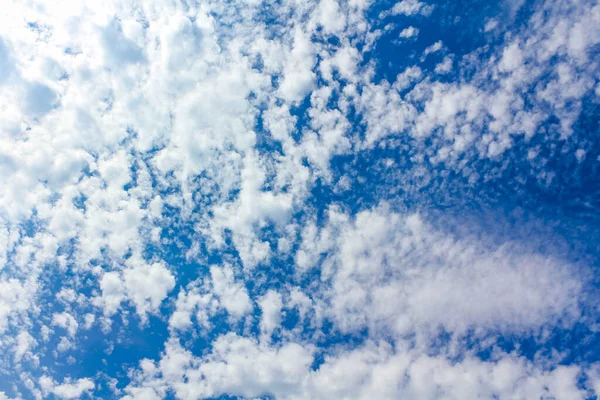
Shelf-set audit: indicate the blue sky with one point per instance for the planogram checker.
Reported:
(300, 199)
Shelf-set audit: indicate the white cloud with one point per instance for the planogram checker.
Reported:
(16, 298)
(240, 366)
(89, 321)
(445, 66)
(512, 58)
(254, 207)
(411, 7)
(69, 389)
(270, 305)
(330, 17)
(298, 78)
(434, 48)
(189, 302)
(65, 321)
(232, 295)
(221, 290)
(113, 292)
(345, 61)
(409, 32)
(63, 345)
(25, 342)
(392, 271)
(141, 394)
(147, 286)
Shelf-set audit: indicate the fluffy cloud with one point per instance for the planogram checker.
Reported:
(25, 342)
(411, 7)
(233, 295)
(220, 291)
(242, 367)
(270, 306)
(65, 321)
(16, 298)
(388, 270)
(70, 389)
(409, 32)
(145, 285)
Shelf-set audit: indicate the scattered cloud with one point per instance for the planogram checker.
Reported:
(293, 199)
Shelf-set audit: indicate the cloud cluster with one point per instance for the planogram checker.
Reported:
(243, 198)
(241, 367)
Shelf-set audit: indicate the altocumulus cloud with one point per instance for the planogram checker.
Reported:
(299, 199)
